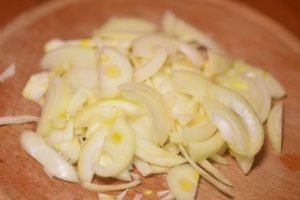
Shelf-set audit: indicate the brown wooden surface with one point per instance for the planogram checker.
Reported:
(244, 33)
(286, 12)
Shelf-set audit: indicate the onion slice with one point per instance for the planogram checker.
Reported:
(54, 164)
(19, 119)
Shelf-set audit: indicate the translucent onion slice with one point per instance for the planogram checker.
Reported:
(153, 154)
(159, 169)
(183, 181)
(220, 186)
(61, 135)
(245, 163)
(190, 83)
(274, 126)
(198, 132)
(151, 67)
(120, 147)
(144, 46)
(70, 56)
(114, 70)
(247, 115)
(142, 166)
(108, 188)
(90, 154)
(54, 164)
(19, 119)
(188, 33)
(78, 78)
(124, 176)
(156, 107)
(216, 64)
(201, 150)
(8, 72)
(214, 171)
(36, 87)
(229, 124)
(262, 105)
(218, 159)
(106, 111)
(125, 28)
(71, 150)
(57, 100)
(274, 87)
(192, 53)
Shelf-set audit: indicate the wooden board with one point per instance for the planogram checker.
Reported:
(243, 32)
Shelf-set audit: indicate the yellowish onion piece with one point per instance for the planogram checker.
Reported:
(190, 83)
(56, 102)
(263, 106)
(144, 46)
(18, 119)
(106, 111)
(230, 126)
(168, 22)
(151, 67)
(8, 72)
(274, 126)
(125, 28)
(77, 101)
(36, 87)
(90, 154)
(120, 147)
(247, 115)
(138, 196)
(192, 53)
(143, 167)
(202, 150)
(153, 154)
(156, 169)
(78, 78)
(114, 70)
(188, 33)
(244, 162)
(102, 196)
(53, 163)
(156, 107)
(107, 188)
(70, 150)
(219, 185)
(218, 159)
(124, 176)
(216, 64)
(183, 181)
(199, 131)
(214, 171)
(274, 87)
(70, 56)
(61, 135)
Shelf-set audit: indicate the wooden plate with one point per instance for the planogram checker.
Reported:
(243, 32)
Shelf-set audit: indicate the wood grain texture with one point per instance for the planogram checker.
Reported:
(243, 32)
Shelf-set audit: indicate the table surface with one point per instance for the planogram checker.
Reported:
(285, 12)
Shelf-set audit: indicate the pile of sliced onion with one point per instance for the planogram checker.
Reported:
(138, 96)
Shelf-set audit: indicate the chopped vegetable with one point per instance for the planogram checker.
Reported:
(274, 126)
(8, 72)
(19, 119)
(133, 97)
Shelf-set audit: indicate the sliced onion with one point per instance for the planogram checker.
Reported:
(8, 72)
(34, 145)
(108, 188)
(152, 66)
(18, 119)
(274, 126)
